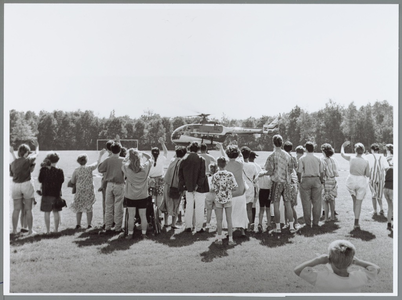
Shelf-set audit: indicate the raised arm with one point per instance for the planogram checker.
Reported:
(347, 157)
(12, 153)
(320, 260)
(165, 150)
(220, 148)
(365, 264)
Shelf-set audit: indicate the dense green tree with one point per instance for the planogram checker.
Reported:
(47, 132)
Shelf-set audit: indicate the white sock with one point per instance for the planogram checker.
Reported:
(291, 225)
(278, 225)
(144, 231)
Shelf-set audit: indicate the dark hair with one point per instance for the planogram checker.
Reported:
(221, 162)
(300, 149)
(277, 140)
(82, 159)
(390, 148)
(375, 147)
(46, 163)
(288, 146)
(245, 151)
(155, 154)
(109, 144)
(327, 149)
(309, 146)
(23, 149)
(194, 147)
(203, 147)
(180, 151)
(253, 155)
(232, 151)
(359, 148)
(53, 157)
(123, 152)
(115, 148)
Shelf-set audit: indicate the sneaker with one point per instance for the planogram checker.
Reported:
(381, 212)
(24, 230)
(77, 227)
(122, 235)
(292, 230)
(335, 213)
(218, 242)
(259, 228)
(89, 227)
(357, 227)
(231, 243)
(276, 230)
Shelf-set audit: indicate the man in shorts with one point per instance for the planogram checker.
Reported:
(279, 167)
(23, 191)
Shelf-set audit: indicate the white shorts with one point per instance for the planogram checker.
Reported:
(24, 190)
(357, 186)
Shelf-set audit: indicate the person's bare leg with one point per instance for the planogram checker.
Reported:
(56, 217)
(79, 217)
(89, 218)
(47, 221)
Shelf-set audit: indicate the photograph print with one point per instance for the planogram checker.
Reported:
(211, 149)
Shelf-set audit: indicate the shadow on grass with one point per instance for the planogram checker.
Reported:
(273, 240)
(23, 239)
(379, 218)
(317, 230)
(364, 235)
(92, 238)
(180, 238)
(218, 251)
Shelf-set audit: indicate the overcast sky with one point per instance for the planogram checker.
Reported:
(176, 60)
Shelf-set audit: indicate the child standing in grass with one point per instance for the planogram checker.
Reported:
(223, 183)
(337, 278)
(210, 196)
(330, 190)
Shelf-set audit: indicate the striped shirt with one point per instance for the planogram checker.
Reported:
(330, 167)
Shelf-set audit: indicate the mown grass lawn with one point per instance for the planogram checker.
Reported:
(178, 262)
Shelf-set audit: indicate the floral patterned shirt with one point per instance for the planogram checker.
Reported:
(223, 182)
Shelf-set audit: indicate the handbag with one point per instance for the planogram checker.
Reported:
(174, 191)
(72, 185)
(60, 203)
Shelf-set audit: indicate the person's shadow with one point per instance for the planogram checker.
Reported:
(180, 238)
(218, 251)
(379, 218)
(318, 230)
(23, 239)
(361, 234)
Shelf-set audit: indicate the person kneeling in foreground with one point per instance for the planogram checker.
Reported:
(337, 278)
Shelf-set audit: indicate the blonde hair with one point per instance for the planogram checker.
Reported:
(341, 253)
(134, 160)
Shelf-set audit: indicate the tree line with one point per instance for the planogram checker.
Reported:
(79, 130)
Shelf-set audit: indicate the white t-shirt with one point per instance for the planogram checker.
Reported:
(326, 281)
(249, 174)
(159, 169)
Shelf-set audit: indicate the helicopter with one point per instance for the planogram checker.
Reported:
(212, 133)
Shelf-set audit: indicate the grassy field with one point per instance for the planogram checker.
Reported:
(178, 262)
